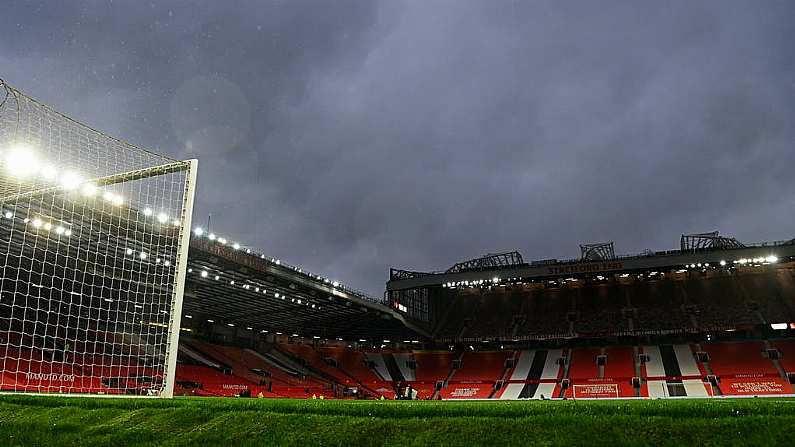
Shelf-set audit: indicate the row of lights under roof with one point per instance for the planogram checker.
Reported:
(258, 288)
(61, 230)
(161, 217)
(199, 232)
(473, 283)
(142, 255)
(315, 337)
(39, 223)
(771, 259)
(22, 163)
(43, 224)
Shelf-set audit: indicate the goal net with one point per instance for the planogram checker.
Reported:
(94, 237)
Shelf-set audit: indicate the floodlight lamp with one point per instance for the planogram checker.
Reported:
(49, 172)
(89, 189)
(21, 162)
(70, 181)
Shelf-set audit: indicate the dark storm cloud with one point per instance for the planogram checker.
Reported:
(350, 136)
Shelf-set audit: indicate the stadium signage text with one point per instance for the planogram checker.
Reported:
(50, 377)
(756, 387)
(465, 392)
(596, 390)
(585, 268)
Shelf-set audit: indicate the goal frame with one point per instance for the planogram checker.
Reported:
(179, 288)
(175, 321)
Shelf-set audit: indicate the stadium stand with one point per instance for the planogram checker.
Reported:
(787, 350)
(433, 365)
(485, 366)
(739, 358)
(619, 362)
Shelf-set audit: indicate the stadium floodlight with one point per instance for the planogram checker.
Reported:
(148, 212)
(211, 236)
(236, 246)
(204, 273)
(771, 259)
(162, 218)
(722, 263)
(88, 189)
(50, 168)
(21, 162)
(70, 180)
(198, 231)
(49, 173)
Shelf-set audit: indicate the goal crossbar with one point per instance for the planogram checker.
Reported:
(108, 180)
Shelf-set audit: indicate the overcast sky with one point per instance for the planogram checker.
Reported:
(350, 136)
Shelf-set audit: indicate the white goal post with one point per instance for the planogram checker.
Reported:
(94, 237)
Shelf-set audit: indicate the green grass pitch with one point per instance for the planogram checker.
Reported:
(29, 420)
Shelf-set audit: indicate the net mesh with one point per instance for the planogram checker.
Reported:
(90, 244)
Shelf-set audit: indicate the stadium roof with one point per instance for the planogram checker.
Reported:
(227, 286)
(714, 249)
